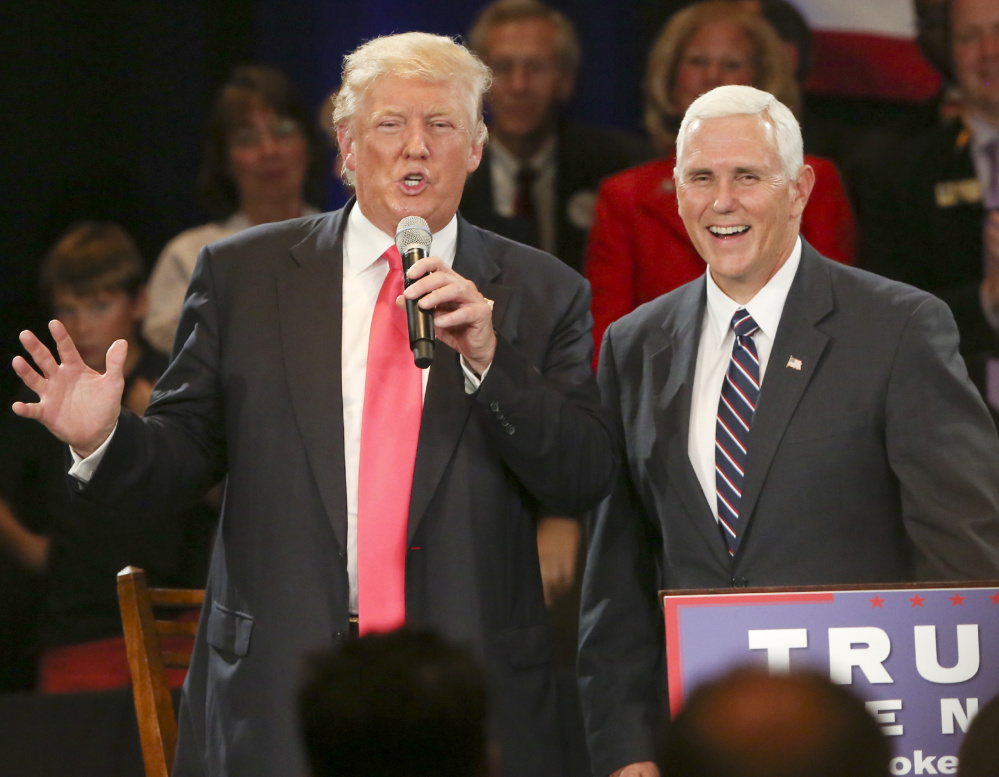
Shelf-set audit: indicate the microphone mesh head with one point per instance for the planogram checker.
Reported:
(412, 230)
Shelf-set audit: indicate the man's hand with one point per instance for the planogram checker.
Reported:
(642, 769)
(77, 404)
(558, 547)
(463, 318)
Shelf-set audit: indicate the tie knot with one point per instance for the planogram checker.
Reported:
(743, 323)
(394, 259)
(525, 176)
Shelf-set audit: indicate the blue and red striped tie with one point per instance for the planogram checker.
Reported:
(736, 406)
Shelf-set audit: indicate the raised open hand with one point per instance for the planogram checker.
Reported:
(77, 404)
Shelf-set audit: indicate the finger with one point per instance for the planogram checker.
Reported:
(115, 360)
(27, 410)
(64, 343)
(28, 374)
(41, 355)
(429, 264)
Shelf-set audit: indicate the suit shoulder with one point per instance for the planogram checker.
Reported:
(514, 257)
(854, 286)
(265, 238)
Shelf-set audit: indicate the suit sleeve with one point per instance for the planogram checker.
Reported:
(545, 420)
(942, 445)
(609, 263)
(621, 638)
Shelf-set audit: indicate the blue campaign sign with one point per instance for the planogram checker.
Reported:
(923, 659)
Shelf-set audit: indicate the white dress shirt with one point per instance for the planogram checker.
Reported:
(714, 353)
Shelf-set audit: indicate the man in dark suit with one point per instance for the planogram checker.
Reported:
(930, 211)
(538, 180)
(270, 384)
(832, 437)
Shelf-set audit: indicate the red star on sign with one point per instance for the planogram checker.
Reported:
(917, 600)
(995, 598)
(957, 599)
(877, 601)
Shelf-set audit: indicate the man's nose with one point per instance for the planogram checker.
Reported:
(518, 78)
(724, 197)
(416, 142)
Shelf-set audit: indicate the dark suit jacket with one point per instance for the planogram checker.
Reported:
(875, 462)
(254, 392)
(922, 215)
(584, 156)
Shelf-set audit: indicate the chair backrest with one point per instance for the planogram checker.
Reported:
(148, 661)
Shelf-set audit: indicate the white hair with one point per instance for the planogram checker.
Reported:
(736, 100)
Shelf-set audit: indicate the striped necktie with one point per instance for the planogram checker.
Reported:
(736, 406)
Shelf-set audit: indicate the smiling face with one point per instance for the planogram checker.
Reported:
(410, 148)
(975, 45)
(718, 54)
(740, 211)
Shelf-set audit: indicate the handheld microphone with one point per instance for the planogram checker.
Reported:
(412, 238)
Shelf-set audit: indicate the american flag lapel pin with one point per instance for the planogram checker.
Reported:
(794, 363)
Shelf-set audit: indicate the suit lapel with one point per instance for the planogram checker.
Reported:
(446, 406)
(310, 290)
(808, 301)
(673, 368)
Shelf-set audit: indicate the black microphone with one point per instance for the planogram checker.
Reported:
(412, 238)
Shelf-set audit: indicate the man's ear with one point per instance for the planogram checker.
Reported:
(803, 188)
(346, 144)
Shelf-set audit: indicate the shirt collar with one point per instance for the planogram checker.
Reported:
(364, 243)
(765, 308)
(512, 165)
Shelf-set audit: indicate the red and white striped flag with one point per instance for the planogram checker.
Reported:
(867, 48)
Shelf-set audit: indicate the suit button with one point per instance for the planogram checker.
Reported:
(494, 406)
(739, 582)
(509, 428)
(339, 637)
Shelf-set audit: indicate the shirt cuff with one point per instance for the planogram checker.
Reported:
(83, 468)
(472, 381)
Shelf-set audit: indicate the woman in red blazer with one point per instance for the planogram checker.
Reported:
(638, 247)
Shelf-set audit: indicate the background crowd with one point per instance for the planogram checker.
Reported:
(579, 164)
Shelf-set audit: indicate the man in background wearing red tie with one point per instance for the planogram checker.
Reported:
(359, 486)
(785, 420)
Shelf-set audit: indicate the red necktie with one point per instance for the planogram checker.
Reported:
(390, 430)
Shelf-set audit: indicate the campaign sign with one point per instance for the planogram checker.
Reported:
(924, 659)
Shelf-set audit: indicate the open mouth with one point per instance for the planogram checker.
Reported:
(412, 181)
(728, 231)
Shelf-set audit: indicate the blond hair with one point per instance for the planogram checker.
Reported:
(771, 69)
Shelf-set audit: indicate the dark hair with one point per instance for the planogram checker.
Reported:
(749, 723)
(90, 257)
(401, 703)
(248, 87)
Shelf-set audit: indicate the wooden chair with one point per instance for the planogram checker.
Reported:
(148, 661)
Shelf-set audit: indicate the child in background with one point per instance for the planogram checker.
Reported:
(93, 280)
